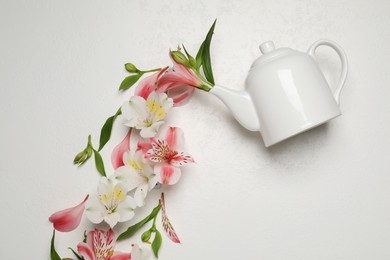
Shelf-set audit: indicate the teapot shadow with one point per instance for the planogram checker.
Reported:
(305, 141)
(310, 138)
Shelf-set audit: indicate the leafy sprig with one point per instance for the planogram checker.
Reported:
(202, 62)
(129, 81)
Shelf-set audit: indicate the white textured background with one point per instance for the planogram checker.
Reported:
(321, 195)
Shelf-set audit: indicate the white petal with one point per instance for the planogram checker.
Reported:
(94, 210)
(140, 253)
(134, 110)
(129, 177)
(166, 102)
(140, 194)
(152, 130)
(105, 186)
(129, 114)
(112, 219)
(152, 182)
(126, 209)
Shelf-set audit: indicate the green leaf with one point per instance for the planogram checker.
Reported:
(105, 133)
(53, 253)
(134, 228)
(206, 59)
(99, 163)
(156, 244)
(199, 56)
(129, 81)
(77, 255)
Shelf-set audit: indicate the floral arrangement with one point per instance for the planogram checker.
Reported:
(154, 160)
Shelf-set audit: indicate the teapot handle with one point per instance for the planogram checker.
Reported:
(344, 63)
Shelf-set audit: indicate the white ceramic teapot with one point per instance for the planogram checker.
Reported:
(286, 93)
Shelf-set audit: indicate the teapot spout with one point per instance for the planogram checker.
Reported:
(240, 104)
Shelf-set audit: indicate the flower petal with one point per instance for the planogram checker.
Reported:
(140, 253)
(125, 210)
(144, 146)
(148, 84)
(167, 226)
(121, 256)
(119, 150)
(68, 219)
(112, 219)
(85, 251)
(134, 111)
(167, 174)
(95, 210)
(181, 95)
(140, 194)
(181, 158)
(179, 77)
(173, 135)
(152, 130)
(129, 177)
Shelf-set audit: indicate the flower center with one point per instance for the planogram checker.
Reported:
(103, 247)
(112, 199)
(165, 153)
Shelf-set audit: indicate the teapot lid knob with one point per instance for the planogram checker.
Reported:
(267, 47)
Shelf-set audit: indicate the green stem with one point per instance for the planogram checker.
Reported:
(89, 141)
(153, 70)
(154, 224)
(205, 83)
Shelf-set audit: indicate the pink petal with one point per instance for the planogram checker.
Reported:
(148, 84)
(144, 145)
(181, 158)
(179, 77)
(167, 226)
(120, 256)
(167, 174)
(180, 95)
(85, 251)
(68, 219)
(173, 135)
(90, 238)
(119, 150)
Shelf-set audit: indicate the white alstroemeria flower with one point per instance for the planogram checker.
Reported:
(136, 174)
(147, 115)
(112, 204)
(140, 253)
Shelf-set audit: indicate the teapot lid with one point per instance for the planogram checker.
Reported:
(270, 53)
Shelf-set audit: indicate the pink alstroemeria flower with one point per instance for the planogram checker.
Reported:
(100, 246)
(165, 152)
(68, 219)
(178, 82)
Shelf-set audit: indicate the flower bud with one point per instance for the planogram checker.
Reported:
(180, 58)
(146, 235)
(130, 67)
(80, 157)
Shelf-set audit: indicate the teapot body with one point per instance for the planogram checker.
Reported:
(290, 95)
(286, 93)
